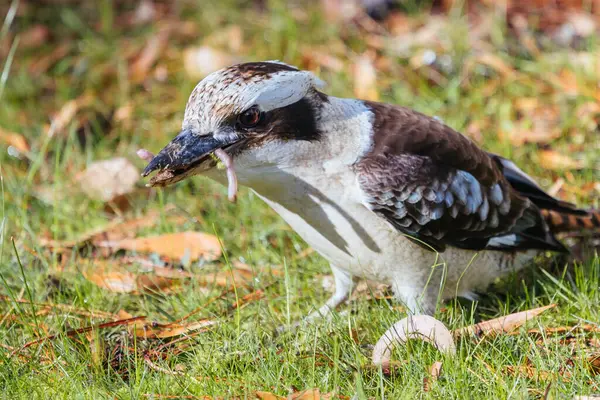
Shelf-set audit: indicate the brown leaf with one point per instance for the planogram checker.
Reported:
(15, 140)
(267, 396)
(309, 394)
(66, 115)
(201, 61)
(190, 245)
(554, 160)
(114, 281)
(594, 363)
(231, 38)
(316, 58)
(537, 123)
(250, 297)
(138, 70)
(226, 278)
(116, 230)
(113, 277)
(562, 330)
(435, 370)
(108, 179)
(152, 331)
(527, 371)
(73, 332)
(364, 78)
(122, 314)
(434, 373)
(504, 324)
(35, 36)
(43, 63)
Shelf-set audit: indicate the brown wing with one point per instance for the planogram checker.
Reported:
(439, 188)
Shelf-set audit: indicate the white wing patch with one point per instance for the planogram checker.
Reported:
(503, 241)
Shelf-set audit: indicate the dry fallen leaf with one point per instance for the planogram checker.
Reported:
(309, 394)
(35, 36)
(315, 58)
(594, 364)
(154, 331)
(504, 324)
(421, 327)
(226, 278)
(364, 78)
(43, 63)
(116, 230)
(108, 179)
(231, 38)
(435, 371)
(113, 277)
(201, 61)
(15, 140)
(538, 123)
(183, 245)
(66, 114)
(527, 371)
(139, 68)
(267, 396)
(496, 63)
(561, 330)
(554, 160)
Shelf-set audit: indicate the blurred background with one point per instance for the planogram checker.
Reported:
(84, 84)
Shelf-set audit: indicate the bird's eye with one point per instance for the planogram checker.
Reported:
(250, 118)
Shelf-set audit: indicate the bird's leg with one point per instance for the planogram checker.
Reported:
(417, 296)
(343, 289)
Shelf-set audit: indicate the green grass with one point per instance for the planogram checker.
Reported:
(243, 353)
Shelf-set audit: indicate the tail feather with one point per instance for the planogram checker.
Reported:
(567, 222)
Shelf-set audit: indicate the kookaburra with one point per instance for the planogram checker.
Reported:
(380, 191)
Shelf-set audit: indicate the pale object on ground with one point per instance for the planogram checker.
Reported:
(105, 180)
(421, 327)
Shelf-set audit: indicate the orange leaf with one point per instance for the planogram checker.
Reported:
(554, 160)
(192, 245)
(365, 78)
(35, 36)
(309, 394)
(496, 63)
(139, 69)
(268, 396)
(504, 324)
(148, 331)
(66, 114)
(112, 277)
(226, 278)
(538, 123)
(15, 140)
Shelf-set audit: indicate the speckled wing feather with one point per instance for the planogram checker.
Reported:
(438, 187)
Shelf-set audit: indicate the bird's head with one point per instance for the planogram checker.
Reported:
(240, 109)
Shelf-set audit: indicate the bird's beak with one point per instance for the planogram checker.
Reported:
(182, 156)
